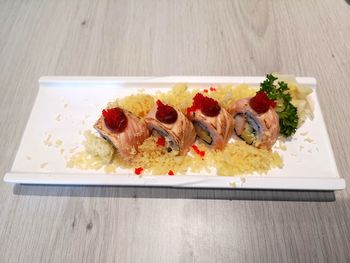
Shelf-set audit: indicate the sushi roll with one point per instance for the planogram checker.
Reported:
(123, 130)
(213, 124)
(168, 122)
(256, 121)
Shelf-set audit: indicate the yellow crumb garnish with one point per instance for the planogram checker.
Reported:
(243, 91)
(159, 161)
(241, 158)
(43, 165)
(281, 145)
(179, 96)
(229, 94)
(97, 146)
(139, 104)
(308, 140)
(85, 161)
(73, 149)
(48, 141)
(58, 118)
(58, 143)
(98, 153)
(225, 95)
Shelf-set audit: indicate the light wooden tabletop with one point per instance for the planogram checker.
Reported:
(124, 38)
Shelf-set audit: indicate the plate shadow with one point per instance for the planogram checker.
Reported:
(173, 193)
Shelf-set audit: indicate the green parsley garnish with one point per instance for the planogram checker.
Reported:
(287, 112)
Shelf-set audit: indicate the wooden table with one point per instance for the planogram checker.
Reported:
(126, 224)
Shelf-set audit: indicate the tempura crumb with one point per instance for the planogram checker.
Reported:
(43, 165)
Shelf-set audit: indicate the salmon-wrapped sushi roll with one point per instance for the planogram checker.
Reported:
(256, 121)
(172, 124)
(213, 124)
(122, 129)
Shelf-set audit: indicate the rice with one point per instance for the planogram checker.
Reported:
(97, 153)
(236, 159)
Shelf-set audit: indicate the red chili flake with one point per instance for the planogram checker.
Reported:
(161, 141)
(115, 119)
(165, 113)
(205, 90)
(212, 89)
(199, 152)
(138, 170)
(208, 106)
(261, 103)
(170, 173)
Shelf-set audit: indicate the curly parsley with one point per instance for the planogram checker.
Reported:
(287, 112)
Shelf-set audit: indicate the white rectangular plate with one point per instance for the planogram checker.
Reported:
(67, 106)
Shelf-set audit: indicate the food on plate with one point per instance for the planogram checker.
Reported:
(98, 146)
(256, 121)
(299, 97)
(138, 104)
(240, 158)
(236, 159)
(213, 124)
(98, 153)
(156, 133)
(278, 108)
(173, 129)
(292, 106)
(123, 130)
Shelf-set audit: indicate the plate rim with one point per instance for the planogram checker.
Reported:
(13, 177)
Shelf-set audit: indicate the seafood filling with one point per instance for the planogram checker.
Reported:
(170, 145)
(246, 127)
(203, 132)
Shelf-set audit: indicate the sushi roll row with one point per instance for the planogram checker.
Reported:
(253, 120)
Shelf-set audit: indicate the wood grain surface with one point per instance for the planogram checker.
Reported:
(126, 224)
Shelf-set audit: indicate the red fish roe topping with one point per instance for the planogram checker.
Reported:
(208, 106)
(199, 152)
(205, 90)
(138, 170)
(161, 141)
(212, 89)
(115, 119)
(261, 103)
(165, 113)
(170, 173)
